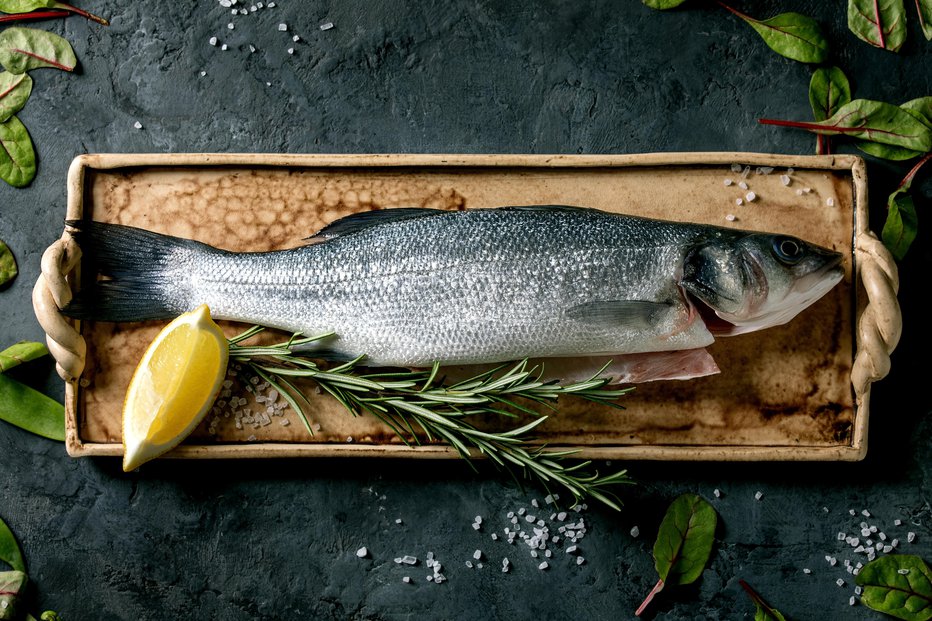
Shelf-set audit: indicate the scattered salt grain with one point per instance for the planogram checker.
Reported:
(717, 492)
(430, 578)
(902, 572)
(283, 27)
(561, 516)
(799, 192)
(362, 552)
(830, 202)
(231, 26)
(252, 49)
(785, 179)
(477, 554)
(765, 170)
(296, 38)
(852, 512)
(851, 600)
(406, 579)
(137, 125)
(729, 218)
(571, 549)
(910, 537)
(398, 521)
(736, 168)
(743, 185)
(807, 571)
(750, 196)
(897, 522)
(469, 564)
(887, 549)
(635, 532)
(895, 542)
(291, 50)
(840, 582)
(409, 560)
(728, 182)
(476, 526)
(739, 201)
(494, 537)
(271, 5)
(841, 536)
(326, 26)
(580, 560)
(224, 47)
(213, 41)
(758, 495)
(544, 565)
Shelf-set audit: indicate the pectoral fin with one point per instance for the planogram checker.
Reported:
(623, 313)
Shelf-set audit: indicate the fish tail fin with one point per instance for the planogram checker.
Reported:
(128, 274)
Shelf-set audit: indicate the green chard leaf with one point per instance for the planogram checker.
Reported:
(902, 225)
(21, 352)
(29, 409)
(924, 8)
(663, 5)
(874, 121)
(8, 269)
(921, 109)
(882, 23)
(792, 35)
(17, 155)
(9, 549)
(12, 586)
(24, 6)
(899, 585)
(828, 91)
(14, 91)
(684, 543)
(25, 49)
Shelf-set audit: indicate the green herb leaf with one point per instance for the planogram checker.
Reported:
(792, 35)
(874, 121)
(12, 586)
(906, 595)
(663, 5)
(25, 49)
(684, 543)
(921, 109)
(764, 612)
(29, 409)
(882, 23)
(924, 8)
(14, 91)
(9, 549)
(17, 155)
(21, 352)
(828, 91)
(902, 225)
(8, 269)
(24, 6)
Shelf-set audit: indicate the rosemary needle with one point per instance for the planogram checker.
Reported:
(419, 406)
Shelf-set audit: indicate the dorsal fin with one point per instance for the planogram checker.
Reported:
(361, 221)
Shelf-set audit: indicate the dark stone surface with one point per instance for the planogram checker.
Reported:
(277, 539)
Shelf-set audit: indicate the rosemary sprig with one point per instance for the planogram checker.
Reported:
(419, 406)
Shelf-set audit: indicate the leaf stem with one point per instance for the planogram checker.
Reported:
(879, 23)
(35, 15)
(757, 599)
(908, 179)
(81, 12)
(650, 597)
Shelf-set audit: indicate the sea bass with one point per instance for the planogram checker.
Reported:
(408, 287)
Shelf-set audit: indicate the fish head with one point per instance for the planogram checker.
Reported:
(758, 280)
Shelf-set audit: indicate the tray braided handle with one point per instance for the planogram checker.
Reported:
(880, 324)
(52, 293)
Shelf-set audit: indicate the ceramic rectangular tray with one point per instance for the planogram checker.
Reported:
(795, 392)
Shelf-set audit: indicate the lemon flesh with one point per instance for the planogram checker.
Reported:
(173, 387)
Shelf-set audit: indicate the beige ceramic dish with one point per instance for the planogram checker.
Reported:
(797, 392)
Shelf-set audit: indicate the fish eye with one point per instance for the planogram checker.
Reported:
(787, 250)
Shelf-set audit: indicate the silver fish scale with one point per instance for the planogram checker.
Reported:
(465, 287)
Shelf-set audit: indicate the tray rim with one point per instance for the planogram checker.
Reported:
(854, 451)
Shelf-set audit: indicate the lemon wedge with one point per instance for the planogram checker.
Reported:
(173, 387)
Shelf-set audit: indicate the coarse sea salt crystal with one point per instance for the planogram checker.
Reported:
(910, 537)
(743, 185)
(295, 38)
(728, 182)
(137, 125)
(851, 600)
(750, 196)
(283, 27)
(758, 495)
(224, 47)
(739, 201)
(897, 522)
(362, 552)
(865, 512)
(406, 579)
(326, 26)
(840, 582)
(717, 492)
(635, 531)
(231, 26)
(902, 572)
(477, 554)
(806, 570)
(729, 218)
(291, 50)
(736, 168)
(785, 180)
(213, 41)
(580, 560)
(544, 565)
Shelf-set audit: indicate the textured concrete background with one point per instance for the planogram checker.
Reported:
(270, 540)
